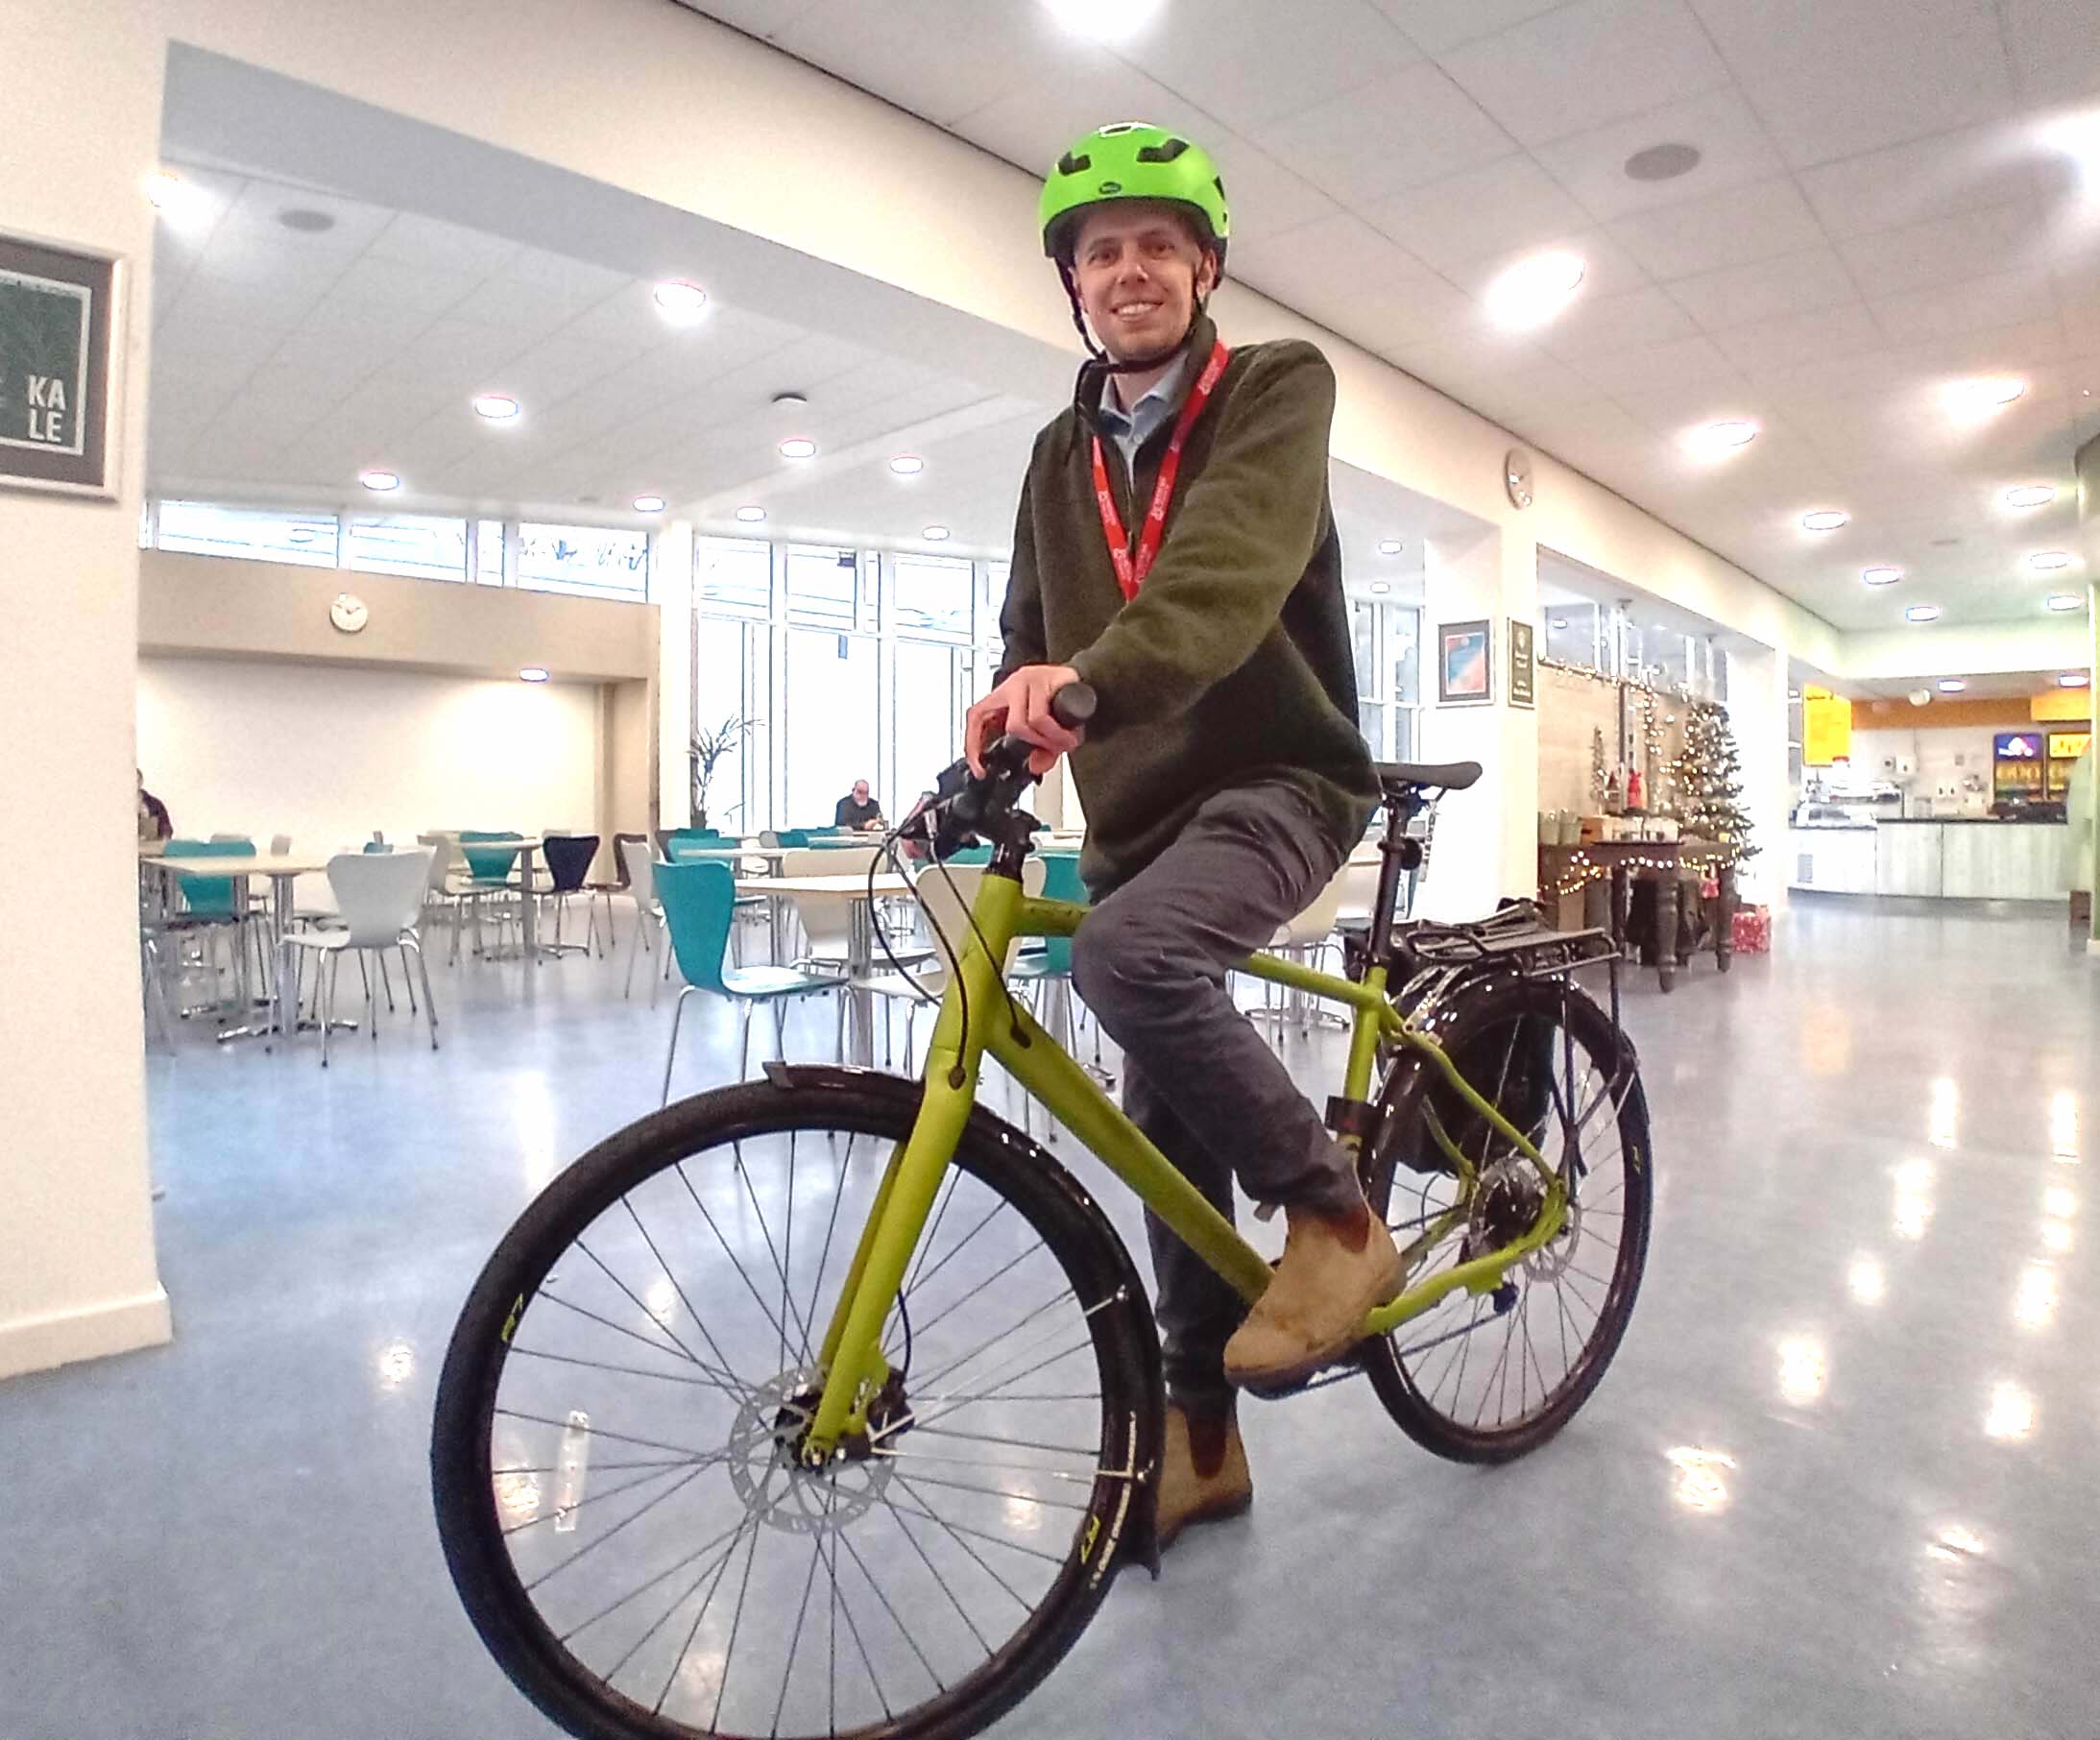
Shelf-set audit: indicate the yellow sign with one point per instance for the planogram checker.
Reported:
(2068, 745)
(2060, 704)
(1826, 728)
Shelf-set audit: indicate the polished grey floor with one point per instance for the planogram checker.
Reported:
(1839, 1481)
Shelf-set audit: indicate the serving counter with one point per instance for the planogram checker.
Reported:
(1953, 858)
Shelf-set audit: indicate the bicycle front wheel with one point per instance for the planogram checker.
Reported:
(616, 1454)
(1484, 1378)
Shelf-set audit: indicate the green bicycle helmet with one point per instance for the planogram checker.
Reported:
(1132, 161)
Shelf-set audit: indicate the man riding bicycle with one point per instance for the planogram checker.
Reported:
(1224, 776)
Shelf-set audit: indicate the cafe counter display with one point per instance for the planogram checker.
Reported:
(1951, 858)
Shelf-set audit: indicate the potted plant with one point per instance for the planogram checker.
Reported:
(709, 748)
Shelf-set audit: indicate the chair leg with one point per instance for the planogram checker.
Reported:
(327, 1003)
(386, 979)
(659, 979)
(408, 984)
(743, 1068)
(429, 1003)
(779, 1028)
(670, 1057)
(633, 949)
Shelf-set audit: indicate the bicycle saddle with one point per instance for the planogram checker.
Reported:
(1447, 776)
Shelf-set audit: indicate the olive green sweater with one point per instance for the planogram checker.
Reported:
(1232, 665)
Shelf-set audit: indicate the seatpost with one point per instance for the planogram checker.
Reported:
(1398, 854)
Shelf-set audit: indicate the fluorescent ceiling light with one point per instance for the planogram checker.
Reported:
(1559, 622)
(798, 447)
(1824, 519)
(1922, 612)
(1981, 397)
(907, 465)
(2030, 495)
(380, 481)
(533, 674)
(2066, 601)
(648, 505)
(1952, 686)
(2071, 679)
(1881, 576)
(681, 301)
(1390, 547)
(1533, 290)
(2049, 561)
(935, 534)
(1380, 586)
(751, 515)
(497, 408)
(1725, 437)
(1104, 20)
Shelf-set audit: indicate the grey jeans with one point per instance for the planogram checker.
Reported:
(1151, 961)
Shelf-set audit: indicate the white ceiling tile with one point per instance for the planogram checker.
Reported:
(939, 58)
(1731, 228)
(1435, 26)
(459, 351)
(436, 246)
(1593, 325)
(1341, 250)
(1243, 63)
(762, 18)
(2032, 345)
(1263, 197)
(1467, 217)
(1694, 362)
(1608, 269)
(1400, 131)
(1832, 78)
(258, 211)
(1733, 152)
(1795, 338)
(1794, 283)
(396, 285)
(1941, 250)
(1967, 170)
(2007, 299)
(2054, 49)
(1585, 64)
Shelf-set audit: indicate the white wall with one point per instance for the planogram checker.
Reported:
(77, 130)
(328, 753)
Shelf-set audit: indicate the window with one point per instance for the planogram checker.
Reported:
(489, 552)
(731, 574)
(825, 587)
(830, 719)
(933, 692)
(732, 672)
(402, 544)
(258, 534)
(991, 600)
(582, 559)
(1568, 634)
(927, 595)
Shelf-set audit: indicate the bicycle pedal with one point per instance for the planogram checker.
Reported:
(1505, 1299)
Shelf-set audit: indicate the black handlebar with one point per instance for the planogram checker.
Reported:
(965, 805)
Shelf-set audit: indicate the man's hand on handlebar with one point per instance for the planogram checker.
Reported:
(1021, 706)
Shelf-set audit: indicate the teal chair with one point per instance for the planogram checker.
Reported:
(794, 836)
(490, 864)
(1050, 964)
(211, 903)
(699, 902)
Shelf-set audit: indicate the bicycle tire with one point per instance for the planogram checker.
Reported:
(1112, 1527)
(1463, 1021)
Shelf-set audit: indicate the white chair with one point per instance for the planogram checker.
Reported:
(639, 858)
(1303, 939)
(380, 897)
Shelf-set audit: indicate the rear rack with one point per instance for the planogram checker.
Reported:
(1515, 937)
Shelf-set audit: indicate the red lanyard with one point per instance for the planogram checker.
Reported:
(1130, 572)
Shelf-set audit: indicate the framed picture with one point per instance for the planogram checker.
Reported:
(1466, 663)
(59, 337)
(1522, 667)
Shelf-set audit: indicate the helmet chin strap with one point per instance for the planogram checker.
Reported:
(1136, 365)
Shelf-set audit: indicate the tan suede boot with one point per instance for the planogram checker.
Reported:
(1202, 1472)
(1334, 1270)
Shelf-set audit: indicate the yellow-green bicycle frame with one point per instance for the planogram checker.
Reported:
(852, 1359)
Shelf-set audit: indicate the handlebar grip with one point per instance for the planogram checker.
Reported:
(1073, 704)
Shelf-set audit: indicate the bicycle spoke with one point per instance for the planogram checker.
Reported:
(708, 1381)
(669, 1492)
(802, 1612)
(954, 1366)
(962, 1485)
(684, 1351)
(735, 1629)
(742, 1274)
(717, 1571)
(956, 1535)
(998, 1273)
(998, 1208)
(561, 1510)
(912, 1540)
(903, 1630)
(780, 1267)
(824, 1259)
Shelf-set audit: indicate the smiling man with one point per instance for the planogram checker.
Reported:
(1175, 549)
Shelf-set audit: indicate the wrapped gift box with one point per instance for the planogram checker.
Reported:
(1752, 933)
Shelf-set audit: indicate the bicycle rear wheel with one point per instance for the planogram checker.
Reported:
(614, 1452)
(1485, 1378)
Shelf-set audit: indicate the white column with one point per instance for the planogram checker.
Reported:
(670, 591)
(1757, 714)
(1486, 843)
(77, 1271)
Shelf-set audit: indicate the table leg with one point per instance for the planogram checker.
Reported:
(528, 909)
(859, 1000)
(1724, 920)
(1666, 943)
(1620, 895)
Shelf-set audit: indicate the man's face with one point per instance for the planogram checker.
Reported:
(861, 792)
(1140, 273)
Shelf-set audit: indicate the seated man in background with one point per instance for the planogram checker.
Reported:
(152, 813)
(857, 809)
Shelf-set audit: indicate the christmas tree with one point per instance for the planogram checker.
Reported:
(1709, 784)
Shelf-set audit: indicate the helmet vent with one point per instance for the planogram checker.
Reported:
(1068, 164)
(1164, 153)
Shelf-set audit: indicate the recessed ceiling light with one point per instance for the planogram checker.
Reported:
(2072, 679)
(1390, 547)
(1662, 162)
(648, 505)
(1920, 697)
(2049, 561)
(907, 465)
(1105, 21)
(497, 408)
(1952, 686)
(1533, 290)
(1793, 694)
(1726, 436)
(1824, 519)
(533, 674)
(164, 189)
(2061, 601)
(791, 399)
(935, 534)
(680, 300)
(2030, 495)
(380, 481)
(798, 447)
(1559, 622)
(1881, 576)
(1381, 586)
(1922, 612)
(1983, 395)
(751, 516)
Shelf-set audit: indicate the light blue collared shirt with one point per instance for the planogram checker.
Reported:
(1131, 429)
